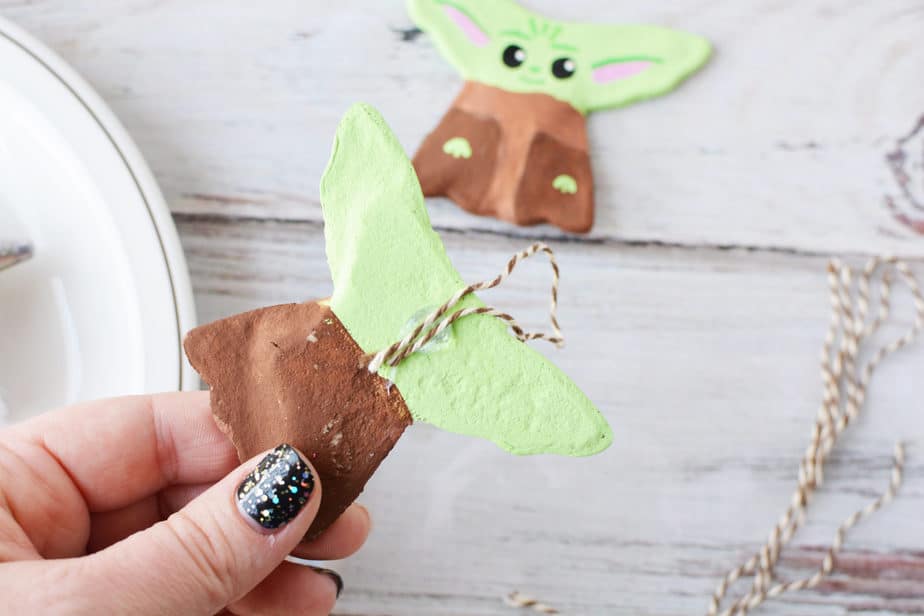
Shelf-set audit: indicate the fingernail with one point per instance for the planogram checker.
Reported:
(332, 575)
(280, 486)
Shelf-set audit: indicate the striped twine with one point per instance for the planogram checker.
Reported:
(844, 384)
(426, 331)
(518, 599)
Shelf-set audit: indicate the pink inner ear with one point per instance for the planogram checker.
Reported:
(469, 27)
(620, 70)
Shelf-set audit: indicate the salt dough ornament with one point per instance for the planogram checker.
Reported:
(514, 142)
(298, 373)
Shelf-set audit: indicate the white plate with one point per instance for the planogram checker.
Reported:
(101, 308)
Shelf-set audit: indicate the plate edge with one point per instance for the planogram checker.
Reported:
(143, 178)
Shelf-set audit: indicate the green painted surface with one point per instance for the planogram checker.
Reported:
(610, 65)
(388, 265)
(458, 147)
(565, 184)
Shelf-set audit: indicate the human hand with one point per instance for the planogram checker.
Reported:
(131, 505)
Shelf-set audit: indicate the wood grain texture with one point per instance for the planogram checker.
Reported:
(779, 142)
(694, 311)
(703, 360)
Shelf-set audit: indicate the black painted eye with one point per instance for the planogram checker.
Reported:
(563, 68)
(514, 56)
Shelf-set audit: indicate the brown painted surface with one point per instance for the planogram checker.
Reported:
(462, 180)
(540, 201)
(292, 374)
(520, 144)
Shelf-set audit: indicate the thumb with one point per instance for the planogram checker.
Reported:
(218, 547)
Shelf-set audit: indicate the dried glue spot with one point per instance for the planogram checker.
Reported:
(438, 342)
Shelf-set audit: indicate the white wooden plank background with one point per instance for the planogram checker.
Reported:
(694, 310)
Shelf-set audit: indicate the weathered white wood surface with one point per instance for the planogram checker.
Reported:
(694, 312)
(780, 142)
(705, 363)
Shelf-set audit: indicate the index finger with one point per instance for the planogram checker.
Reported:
(120, 450)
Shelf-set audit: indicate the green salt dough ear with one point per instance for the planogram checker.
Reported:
(634, 63)
(614, 65)
(388, 265)
(466, 30)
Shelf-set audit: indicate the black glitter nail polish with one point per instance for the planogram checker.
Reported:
(277, 489)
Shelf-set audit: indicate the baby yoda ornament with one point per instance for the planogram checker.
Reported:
(299, 373)
(514, 142)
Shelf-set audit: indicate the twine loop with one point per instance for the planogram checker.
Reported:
(437, 321)
(844, 385)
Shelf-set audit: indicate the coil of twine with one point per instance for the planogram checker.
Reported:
(844, 385)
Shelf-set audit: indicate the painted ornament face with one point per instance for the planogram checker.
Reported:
(532, 79)
(538, 55)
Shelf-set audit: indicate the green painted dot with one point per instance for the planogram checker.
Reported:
(458, 147)
(565, 184)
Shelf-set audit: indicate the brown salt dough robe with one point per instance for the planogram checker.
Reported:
(292, 374)
(520, 144)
